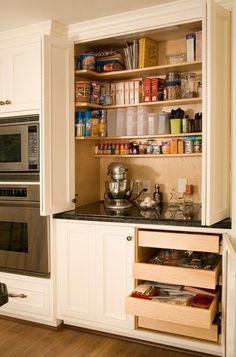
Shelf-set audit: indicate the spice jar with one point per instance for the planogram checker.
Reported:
(188, 85)
(172, 86)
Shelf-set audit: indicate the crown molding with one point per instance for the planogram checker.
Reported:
(159, 16)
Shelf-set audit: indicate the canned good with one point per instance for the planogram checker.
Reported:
(197, 144)
(82, 91)
(188, 145)
(87, 61)
(185, 125)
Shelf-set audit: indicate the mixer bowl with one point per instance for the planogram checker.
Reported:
(119, 189)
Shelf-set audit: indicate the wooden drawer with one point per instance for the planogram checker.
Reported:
(30, 297)
(177, 314)
(210, 334)
(183, 241)
(177, 275)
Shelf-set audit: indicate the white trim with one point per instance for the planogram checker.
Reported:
(139, 20)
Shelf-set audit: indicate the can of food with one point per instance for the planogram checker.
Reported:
(87, 61)
(197, 144)
(82, 91)
(188, 145)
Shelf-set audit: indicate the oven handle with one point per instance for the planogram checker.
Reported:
(19, 203)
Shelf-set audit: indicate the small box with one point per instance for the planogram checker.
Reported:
(147, 89)
(180, 146)
(199, 46)
(190, 39)
(174, 146)
(136, 91)
(131, 92)
(127, 96)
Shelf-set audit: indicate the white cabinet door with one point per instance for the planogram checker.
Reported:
(76, 270)
(216, 114)
(57, 126)
(115, 257)
(230, 294)
(20, 72)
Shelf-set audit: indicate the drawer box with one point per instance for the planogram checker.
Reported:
(210, 334)
(184, 315)
(201, 278)
(183, 241)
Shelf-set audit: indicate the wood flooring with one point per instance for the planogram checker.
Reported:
(22, 339)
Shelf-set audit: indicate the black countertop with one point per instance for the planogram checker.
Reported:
(164, 215)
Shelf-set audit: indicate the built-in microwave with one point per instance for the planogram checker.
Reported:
(19, 144)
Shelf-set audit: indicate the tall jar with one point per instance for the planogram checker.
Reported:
(188, 85)
(172, 86)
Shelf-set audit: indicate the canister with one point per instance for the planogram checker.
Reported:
(188, 145)
(82, 91)
(164, 123)
(175, 126)
(87, 61)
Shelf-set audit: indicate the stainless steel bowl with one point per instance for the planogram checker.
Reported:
(119, 189)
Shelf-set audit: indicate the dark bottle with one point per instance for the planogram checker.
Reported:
(157, 195)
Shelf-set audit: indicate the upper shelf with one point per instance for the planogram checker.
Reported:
(140, 72)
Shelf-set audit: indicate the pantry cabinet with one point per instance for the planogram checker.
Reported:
(94, 265)
(20, 78)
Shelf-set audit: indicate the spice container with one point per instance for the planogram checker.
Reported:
(82, 91)
(188, 85)
(172, 86)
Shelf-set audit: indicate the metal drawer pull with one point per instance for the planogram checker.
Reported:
(129, 238)
(8, 102)
(2, 102)
(17, 295)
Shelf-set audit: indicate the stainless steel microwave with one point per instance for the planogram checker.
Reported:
(19, 144)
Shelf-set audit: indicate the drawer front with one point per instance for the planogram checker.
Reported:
(183, 241)
(177, 275)
(29, 297)
(186, 315)
(210, 334)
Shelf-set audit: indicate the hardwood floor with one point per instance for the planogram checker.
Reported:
(21, 339)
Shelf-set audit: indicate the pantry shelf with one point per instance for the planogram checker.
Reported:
(137, 136)
(140, 72)
(150, 156)
(163, 103)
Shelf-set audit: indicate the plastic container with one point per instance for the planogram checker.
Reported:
(163, 123)
(152, 123)
(176, 58)
(120, 121)
(172, 86)
(175, 126)
(188, 85)
(131, 121)
(111, 122)
(142, 120)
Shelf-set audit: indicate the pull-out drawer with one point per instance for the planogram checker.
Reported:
(177, 314)
(210, 334)
(176, 240)
(177, 275)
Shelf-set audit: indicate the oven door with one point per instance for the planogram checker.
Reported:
(23, 238)
(14, 148)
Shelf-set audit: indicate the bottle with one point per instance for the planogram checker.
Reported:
(157, 195)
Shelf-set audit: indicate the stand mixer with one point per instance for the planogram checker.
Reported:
(119, 189)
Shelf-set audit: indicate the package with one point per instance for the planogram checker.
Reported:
(148, 52)
(120, 93)
(147, 90)
(190, 44)
(199, 46)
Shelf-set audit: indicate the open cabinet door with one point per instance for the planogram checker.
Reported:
(229, 279)
(216, 114)
(57, 126)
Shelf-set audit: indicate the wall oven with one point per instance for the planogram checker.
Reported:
(23, 232)
(19, 144)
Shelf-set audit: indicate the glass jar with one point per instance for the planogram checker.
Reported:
(188, 85)
(172, 86)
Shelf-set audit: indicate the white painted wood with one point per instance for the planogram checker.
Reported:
(115, 255)
(20, 74)
(229, 312)
(217, 116)
(94, 272)
(57, 126)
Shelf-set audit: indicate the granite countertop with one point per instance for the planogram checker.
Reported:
(164, 215)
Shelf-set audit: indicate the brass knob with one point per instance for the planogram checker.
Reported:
(129, 238)
(8, 102)
(2, 102)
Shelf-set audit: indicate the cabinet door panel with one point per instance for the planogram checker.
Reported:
(76, 271)
(57, 127)
(115, 255)
(216, 108)
(229, 296)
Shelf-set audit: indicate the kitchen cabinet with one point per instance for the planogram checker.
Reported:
(210, 170)
(94, 265)
(20, 78)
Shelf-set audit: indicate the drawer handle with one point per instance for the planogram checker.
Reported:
(129, 238)
(8, 102)
(17, 295)
(2, 102)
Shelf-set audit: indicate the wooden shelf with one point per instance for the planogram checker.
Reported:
(137, 137)
(140, 72)
(151, 155)
(163, 103)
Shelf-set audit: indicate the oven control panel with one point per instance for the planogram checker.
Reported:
(13, 192)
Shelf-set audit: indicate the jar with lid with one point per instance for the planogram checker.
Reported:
(188, 85)
(172, 86)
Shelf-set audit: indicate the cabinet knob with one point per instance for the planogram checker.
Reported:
(8, 102)
(2, 102)
(74, 200)
(129, 238)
